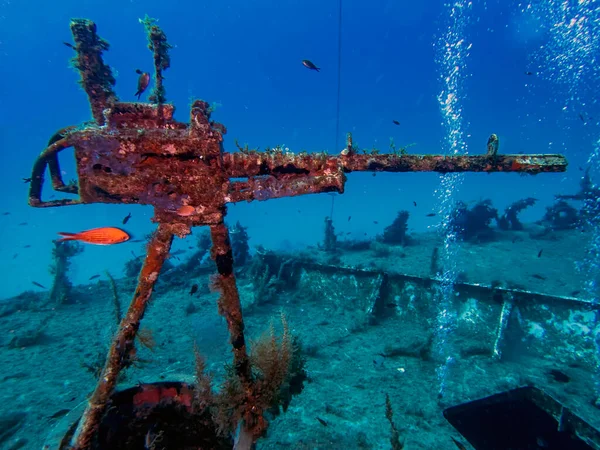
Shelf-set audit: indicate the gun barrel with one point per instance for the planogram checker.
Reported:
(463, 163)
(278, 163)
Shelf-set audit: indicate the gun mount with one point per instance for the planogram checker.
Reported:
(137, 153)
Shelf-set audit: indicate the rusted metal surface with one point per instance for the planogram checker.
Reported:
(136, 153)
(96, 77)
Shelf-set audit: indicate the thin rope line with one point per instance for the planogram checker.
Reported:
(339, 78)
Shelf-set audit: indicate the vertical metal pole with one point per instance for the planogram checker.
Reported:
(230, 308)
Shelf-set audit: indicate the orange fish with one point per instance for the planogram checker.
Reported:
(186, 211)
(143, 81)
(98, 236)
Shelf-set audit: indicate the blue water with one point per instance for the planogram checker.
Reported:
(526, 71)
(248, 59)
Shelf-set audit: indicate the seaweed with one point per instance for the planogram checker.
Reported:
(278, 374)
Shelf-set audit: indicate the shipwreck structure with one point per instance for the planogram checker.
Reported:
(137, 153)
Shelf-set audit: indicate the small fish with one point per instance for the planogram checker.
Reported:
(126, 219)
(582, 118)
(138, 240)
(349, 217)
(59, 413)
(5, 213)
(540, 253)
(22, 224)
(35, 283)
(15, 255)
(194, 289)
(322, 422)
(414, 203)
(395, 122)
(309, 65)
(459, 444)
(575, 293)
(528, 73)
(559, 376)
(375, 222)
(97, 236)
(538, 276)
(26, 246)
(430, 215)
(185, 211)
(26, 180)
(143, 82)
(93, 277)
(69, 45)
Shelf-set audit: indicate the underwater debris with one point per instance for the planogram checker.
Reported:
(473, 223)
(239, 244)
(115, 297)
(395, 434)
(60, 293)
(141, 155)
(396, 232)
(269, 274)
(434, 266)
(509, 220)
(558, 375)
(330, 240)
(191, 266)
(34, 334)
(380, 250)
(133, 266)
(560, 216)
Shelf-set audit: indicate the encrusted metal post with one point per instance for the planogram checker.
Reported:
(231, 309)
(96, 77)
(120, 350)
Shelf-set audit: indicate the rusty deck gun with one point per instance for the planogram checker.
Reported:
(137, 153)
